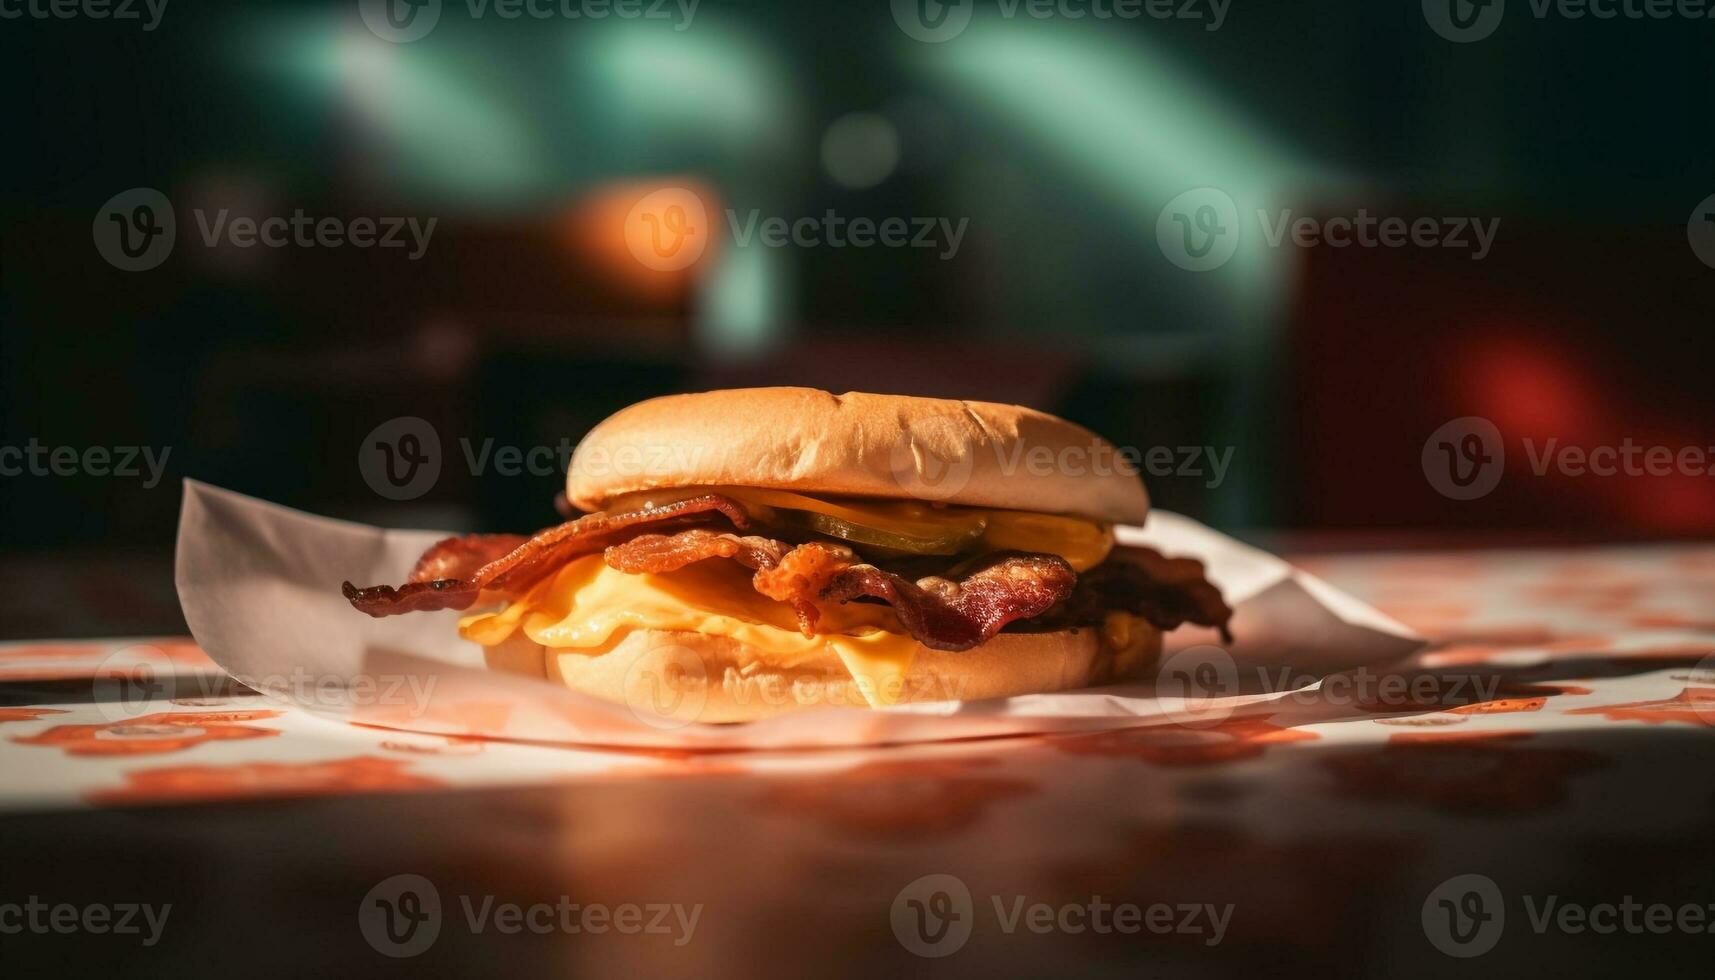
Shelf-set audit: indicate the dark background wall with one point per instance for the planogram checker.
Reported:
(1324, 370)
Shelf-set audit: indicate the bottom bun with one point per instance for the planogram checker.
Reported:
(690, 676)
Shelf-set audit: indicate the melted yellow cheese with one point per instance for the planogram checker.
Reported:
(586, 606)
(1084, 544)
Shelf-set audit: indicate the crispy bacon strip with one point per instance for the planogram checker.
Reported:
(789, 574)
(945, 613)
(462, 557)
(1169, 592)
(961, 607)
(526, 562)
(655, 554)
(957, 615)
(800, 577)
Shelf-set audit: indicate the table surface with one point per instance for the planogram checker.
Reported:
(1554, 740)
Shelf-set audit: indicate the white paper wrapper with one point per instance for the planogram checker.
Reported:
(259, 584)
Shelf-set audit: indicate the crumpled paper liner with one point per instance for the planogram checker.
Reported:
(259, 584)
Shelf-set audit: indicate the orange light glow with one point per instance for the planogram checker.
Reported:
(655, 237)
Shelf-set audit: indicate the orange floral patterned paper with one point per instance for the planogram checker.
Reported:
(1232, 740)
(1464, 771)
(174, 784)
(1691, 706)
(1581, 666)
(152, 734)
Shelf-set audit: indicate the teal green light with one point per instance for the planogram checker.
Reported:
(1124, 127)
(1115, 111)
(741, 311)
(432, 122)
(711, 101)
(1120, 118)
(711, 82)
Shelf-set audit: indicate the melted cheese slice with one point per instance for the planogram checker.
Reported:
(1084, 544)
(585, 607)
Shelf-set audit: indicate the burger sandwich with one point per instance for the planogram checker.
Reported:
(772, 549)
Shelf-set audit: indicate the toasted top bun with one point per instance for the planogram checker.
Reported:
(895, 447)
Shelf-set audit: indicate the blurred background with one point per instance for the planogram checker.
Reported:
(1056, 145)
